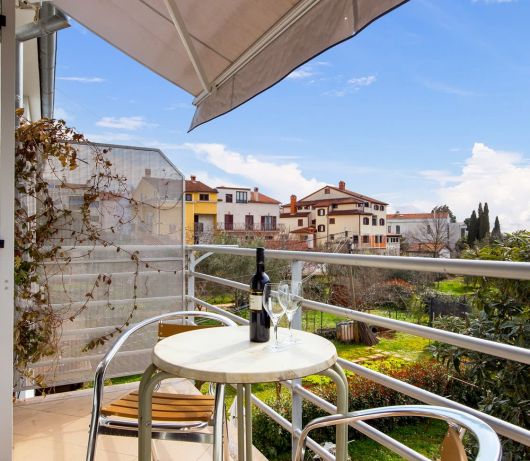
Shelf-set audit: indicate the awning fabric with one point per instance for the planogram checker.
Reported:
(224, 52)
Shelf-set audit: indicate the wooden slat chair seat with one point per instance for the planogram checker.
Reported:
(166, 407)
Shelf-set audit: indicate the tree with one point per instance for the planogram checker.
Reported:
(498, 387)
(432, 235)
(444, 209)
(483, 222)
(496, 233)
(472, 228)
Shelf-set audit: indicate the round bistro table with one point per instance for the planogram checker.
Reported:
(224, 355)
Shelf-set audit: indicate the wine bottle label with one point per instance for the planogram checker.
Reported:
(255, 303)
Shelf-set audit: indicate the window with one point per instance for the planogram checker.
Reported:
(300, 222)
(313, 221)
(204, 197)
(398, 229)
(382, 207)
(75, 201)
(334, 206)
(268, 223)
(229, 198)
(366, 221)
(355, 239)
(241, 197)
(229, 222)
(332, 237)
(367, 204)
(345, 233)
(366, 239)
(376, 239)
(381, 222)
(389, 229)
(94, 218)
(321, 212)
(374, 221)
(188, 198)
(429, 230)
(332, 220)
(249, 222)
(327, 191)
(376, 207)
(321, 228)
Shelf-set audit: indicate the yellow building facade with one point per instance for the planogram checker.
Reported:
(200, 211)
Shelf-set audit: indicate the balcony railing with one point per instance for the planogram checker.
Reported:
(508, 270)
(249, 227)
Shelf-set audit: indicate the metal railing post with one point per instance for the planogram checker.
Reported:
(191, 281)
(296, 409)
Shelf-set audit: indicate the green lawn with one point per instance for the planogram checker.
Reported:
(425, 437)
(455, 286)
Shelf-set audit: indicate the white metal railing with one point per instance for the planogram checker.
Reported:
(498, 269)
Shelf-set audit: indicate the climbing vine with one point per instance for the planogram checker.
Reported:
(50, 235)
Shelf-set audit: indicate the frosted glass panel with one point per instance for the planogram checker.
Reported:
(142, 267)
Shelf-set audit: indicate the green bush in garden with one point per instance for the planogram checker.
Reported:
(275, 443)
(496, 386)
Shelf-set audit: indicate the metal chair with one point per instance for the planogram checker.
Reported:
(452, 447)
(176, 417)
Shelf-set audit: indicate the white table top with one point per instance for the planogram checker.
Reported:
(226, 355)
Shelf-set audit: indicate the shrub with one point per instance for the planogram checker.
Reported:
(275, 442)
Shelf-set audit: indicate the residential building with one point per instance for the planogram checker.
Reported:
(337, 216)
(426, 234)
(245, 212)
(201, 211)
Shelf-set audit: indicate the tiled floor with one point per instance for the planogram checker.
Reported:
(55, 428)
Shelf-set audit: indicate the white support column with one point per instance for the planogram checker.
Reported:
(7, 189)
(191, 280)
(296, 412)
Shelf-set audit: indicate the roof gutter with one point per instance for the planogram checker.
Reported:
(50, 21)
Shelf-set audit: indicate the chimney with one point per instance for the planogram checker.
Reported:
(193, 178)
(255, 194)
(293, 204)
(342, 185)
(147, 172)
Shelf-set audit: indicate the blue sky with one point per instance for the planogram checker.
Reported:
(429, 105)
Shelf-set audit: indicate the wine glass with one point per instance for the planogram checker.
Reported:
(292, 299)
(275, 308)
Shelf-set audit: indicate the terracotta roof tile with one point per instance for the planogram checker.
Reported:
(262, 198)
(197, 186)
(299, 214)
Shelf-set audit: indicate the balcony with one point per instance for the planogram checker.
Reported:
(249, 227)
(58, 423)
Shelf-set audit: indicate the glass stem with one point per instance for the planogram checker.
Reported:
(290, 319)
(276, 332)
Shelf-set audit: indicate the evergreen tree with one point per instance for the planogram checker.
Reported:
(496, 232)
(484, 223)
(444, 209)
(472, 228)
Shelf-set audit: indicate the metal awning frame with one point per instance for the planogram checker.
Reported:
(265, 40)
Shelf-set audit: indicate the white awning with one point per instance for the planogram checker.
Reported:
(224, 52)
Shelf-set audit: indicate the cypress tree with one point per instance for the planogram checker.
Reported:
(496, 232)
(484, 224)
(472, 228)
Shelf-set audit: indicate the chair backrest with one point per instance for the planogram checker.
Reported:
(166, 329)
(452, 447)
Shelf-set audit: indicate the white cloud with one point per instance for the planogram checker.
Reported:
(302, 72)
(442, 87)
(352, 85)
(122, 123)
(83, 79)
(279, 179)
(61, 114)
(114, 137)
(358, 82)
(500, 178)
